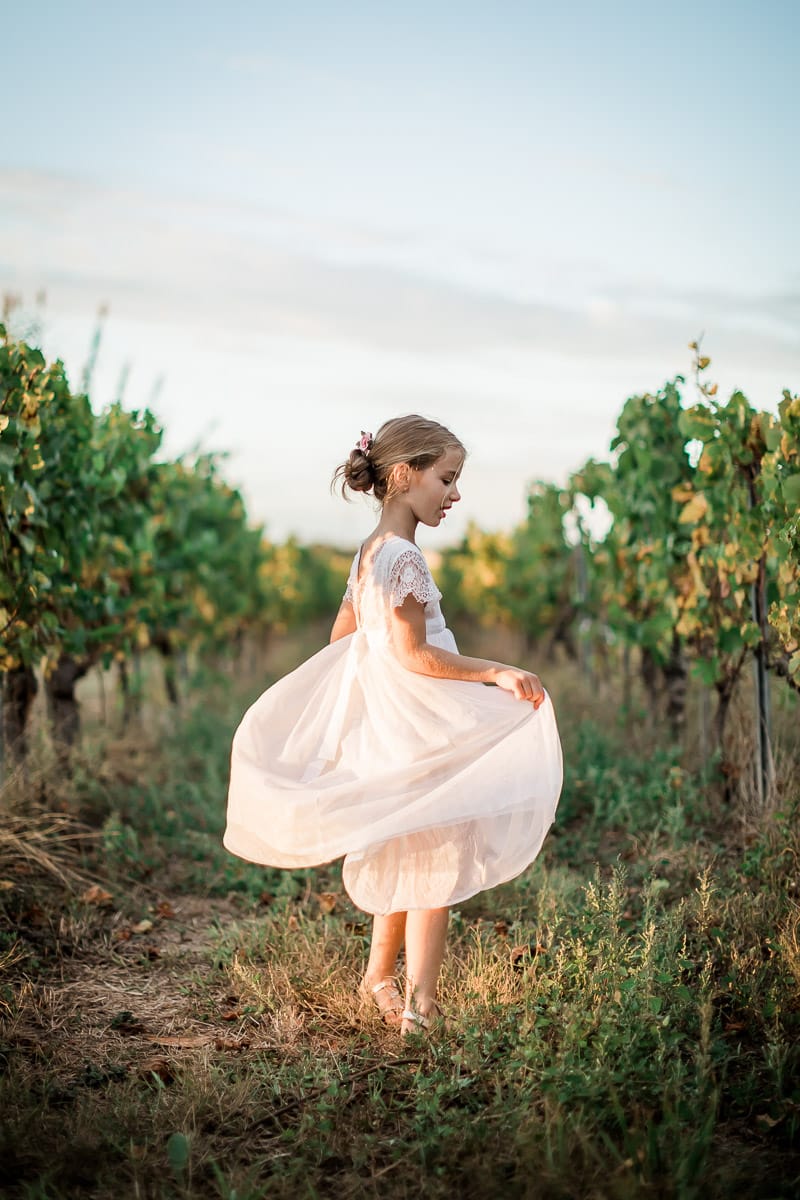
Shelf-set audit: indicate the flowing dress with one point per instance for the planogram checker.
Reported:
(432, 789)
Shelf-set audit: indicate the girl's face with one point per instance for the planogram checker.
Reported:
(432, 490)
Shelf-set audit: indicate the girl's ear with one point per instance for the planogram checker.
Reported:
(402, 476)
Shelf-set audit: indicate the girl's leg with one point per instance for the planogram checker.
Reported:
(426, 935)
(387, 938)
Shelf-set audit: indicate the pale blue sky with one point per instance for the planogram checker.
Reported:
(309, 220)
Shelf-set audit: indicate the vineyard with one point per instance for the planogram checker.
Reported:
(698, 574)
(108, 550)
(623, 1019)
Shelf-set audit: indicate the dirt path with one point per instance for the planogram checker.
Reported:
(123, 997)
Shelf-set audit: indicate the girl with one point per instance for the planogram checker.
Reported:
(384, 748)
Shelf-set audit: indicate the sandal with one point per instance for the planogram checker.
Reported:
(426, 1021)
(391, 1010)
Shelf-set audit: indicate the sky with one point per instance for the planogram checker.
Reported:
(305, 220)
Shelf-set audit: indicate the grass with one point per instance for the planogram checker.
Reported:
(623, 1019)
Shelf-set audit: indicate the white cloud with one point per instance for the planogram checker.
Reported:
(270, 326)
(207, 266)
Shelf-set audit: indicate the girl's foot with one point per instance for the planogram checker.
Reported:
(415, 1021)
(386, 995)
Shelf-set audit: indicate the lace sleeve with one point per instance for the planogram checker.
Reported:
(348, 591)
(409, 575)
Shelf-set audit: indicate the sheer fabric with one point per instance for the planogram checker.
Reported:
(431, 789)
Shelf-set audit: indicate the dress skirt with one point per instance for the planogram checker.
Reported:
(430, 789)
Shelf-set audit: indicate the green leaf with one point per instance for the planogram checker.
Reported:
(655, 1003)
(730, 641)
(178, 1152)
(791, 491)
(770, 432)
(697, 423)
(705, 670)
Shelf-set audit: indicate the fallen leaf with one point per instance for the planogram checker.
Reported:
(229, 1043)
(527, 950)
(230, 1014)
(327, 901)
(156, 1066)
(165, 910)
(142, 926)
(96, 895)
(6, 885)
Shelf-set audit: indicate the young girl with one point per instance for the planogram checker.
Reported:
(385, 747)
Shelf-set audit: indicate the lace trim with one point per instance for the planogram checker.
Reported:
(409, 575)
(348, 591)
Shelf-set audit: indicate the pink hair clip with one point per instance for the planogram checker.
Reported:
(364, 443)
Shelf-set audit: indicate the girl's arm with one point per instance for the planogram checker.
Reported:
(414, 652)
(345, 621)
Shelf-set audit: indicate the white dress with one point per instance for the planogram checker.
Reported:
(432, 789)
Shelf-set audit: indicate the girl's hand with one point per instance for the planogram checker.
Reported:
(523, 685)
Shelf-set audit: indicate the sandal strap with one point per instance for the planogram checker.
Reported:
(385, 983)
(410, 1015)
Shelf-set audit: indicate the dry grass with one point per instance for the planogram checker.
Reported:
(44, 843)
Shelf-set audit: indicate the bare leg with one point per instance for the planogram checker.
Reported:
(387, 938)
(426, 936)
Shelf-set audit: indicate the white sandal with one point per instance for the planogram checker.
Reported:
(425, 1020)
(390, 1014)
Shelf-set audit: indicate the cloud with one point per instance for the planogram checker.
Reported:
(252, 269)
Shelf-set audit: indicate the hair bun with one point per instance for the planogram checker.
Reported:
(359, 471)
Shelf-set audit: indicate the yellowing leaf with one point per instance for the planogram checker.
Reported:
(695, 510)
(96, 895)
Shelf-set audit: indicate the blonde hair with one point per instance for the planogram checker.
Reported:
(412, 439)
